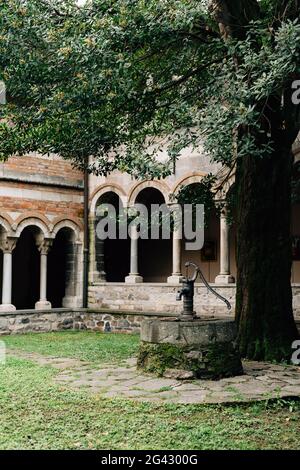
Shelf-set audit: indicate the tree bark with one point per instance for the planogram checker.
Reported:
(264, 297)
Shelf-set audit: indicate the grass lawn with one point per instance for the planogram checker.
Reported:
(87, 346)
(37, 414)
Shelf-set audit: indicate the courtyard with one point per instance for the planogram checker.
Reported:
(81, 390)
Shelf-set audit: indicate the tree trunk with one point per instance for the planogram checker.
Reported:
(264, 298)
(264, 256)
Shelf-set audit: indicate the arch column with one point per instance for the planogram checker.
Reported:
(7, 245)
(134, 277)
(225, 276)
(97, 267)
(176, 245)
(73, 293)
(44, 246)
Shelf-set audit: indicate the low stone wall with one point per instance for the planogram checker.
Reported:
(120, 307)
(162, 298)
(26, 321)
(156, 297)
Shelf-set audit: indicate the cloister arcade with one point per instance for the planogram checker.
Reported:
(156, 261)
(41, 258)
(40, 263)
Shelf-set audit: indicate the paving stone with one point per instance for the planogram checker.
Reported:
(292, 390)
(239, 379)
(178, 374)
(134, 393)
(260, 381)
(156, 384)
(189, 387)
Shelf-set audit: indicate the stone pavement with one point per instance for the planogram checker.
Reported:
(261, 381)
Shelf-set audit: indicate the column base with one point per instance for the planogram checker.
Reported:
(96, 276)
(43, 305)
(175, 279)
(225, 279)
(133, 279)
(72, 302)
(7, 308)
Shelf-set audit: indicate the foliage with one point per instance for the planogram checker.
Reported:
(119, 80)
(200, 193)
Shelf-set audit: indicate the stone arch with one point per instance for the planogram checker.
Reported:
(109, 258)
(106, 188)
(73, 225)
(6, 223)
(65, 264)
(187, 180)
(26, 275)
(38, 221)
(159, 185)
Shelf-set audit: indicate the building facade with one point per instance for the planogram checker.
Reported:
(42, 234)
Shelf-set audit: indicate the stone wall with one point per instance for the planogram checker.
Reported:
(67, 319)
(162, 298)
(157, 298)
(33, 321)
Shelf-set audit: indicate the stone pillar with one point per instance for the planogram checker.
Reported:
(44, 246)
(176, 248)
(73, 294)
(224, 277)
(97, 267)
(7, 245)
(134, 277)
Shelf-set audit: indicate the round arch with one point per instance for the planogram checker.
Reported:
(6, 224)
(67, 223)
(160, 186)
(27, 221)
(187, 180)
(106, 188)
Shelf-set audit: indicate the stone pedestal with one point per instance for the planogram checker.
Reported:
(7, 308)
(203, 349)
(175, 279)
(224, 279)
(43, 305)
(133, 279)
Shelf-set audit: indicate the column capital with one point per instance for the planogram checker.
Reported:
(8, 244)
(44, 245)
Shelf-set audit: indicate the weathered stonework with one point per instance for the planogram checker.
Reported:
(32, 321)
(207, 348)
(156, 297)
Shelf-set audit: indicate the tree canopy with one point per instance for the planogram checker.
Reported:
(120, 79)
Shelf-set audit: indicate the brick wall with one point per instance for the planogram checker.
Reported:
(35, 184)
(22, 197)
(51, 166)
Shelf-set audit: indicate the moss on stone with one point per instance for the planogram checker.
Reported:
(223, 360)
(156, 358)
(210, 362)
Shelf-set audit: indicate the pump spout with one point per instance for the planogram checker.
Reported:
(182, 292)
